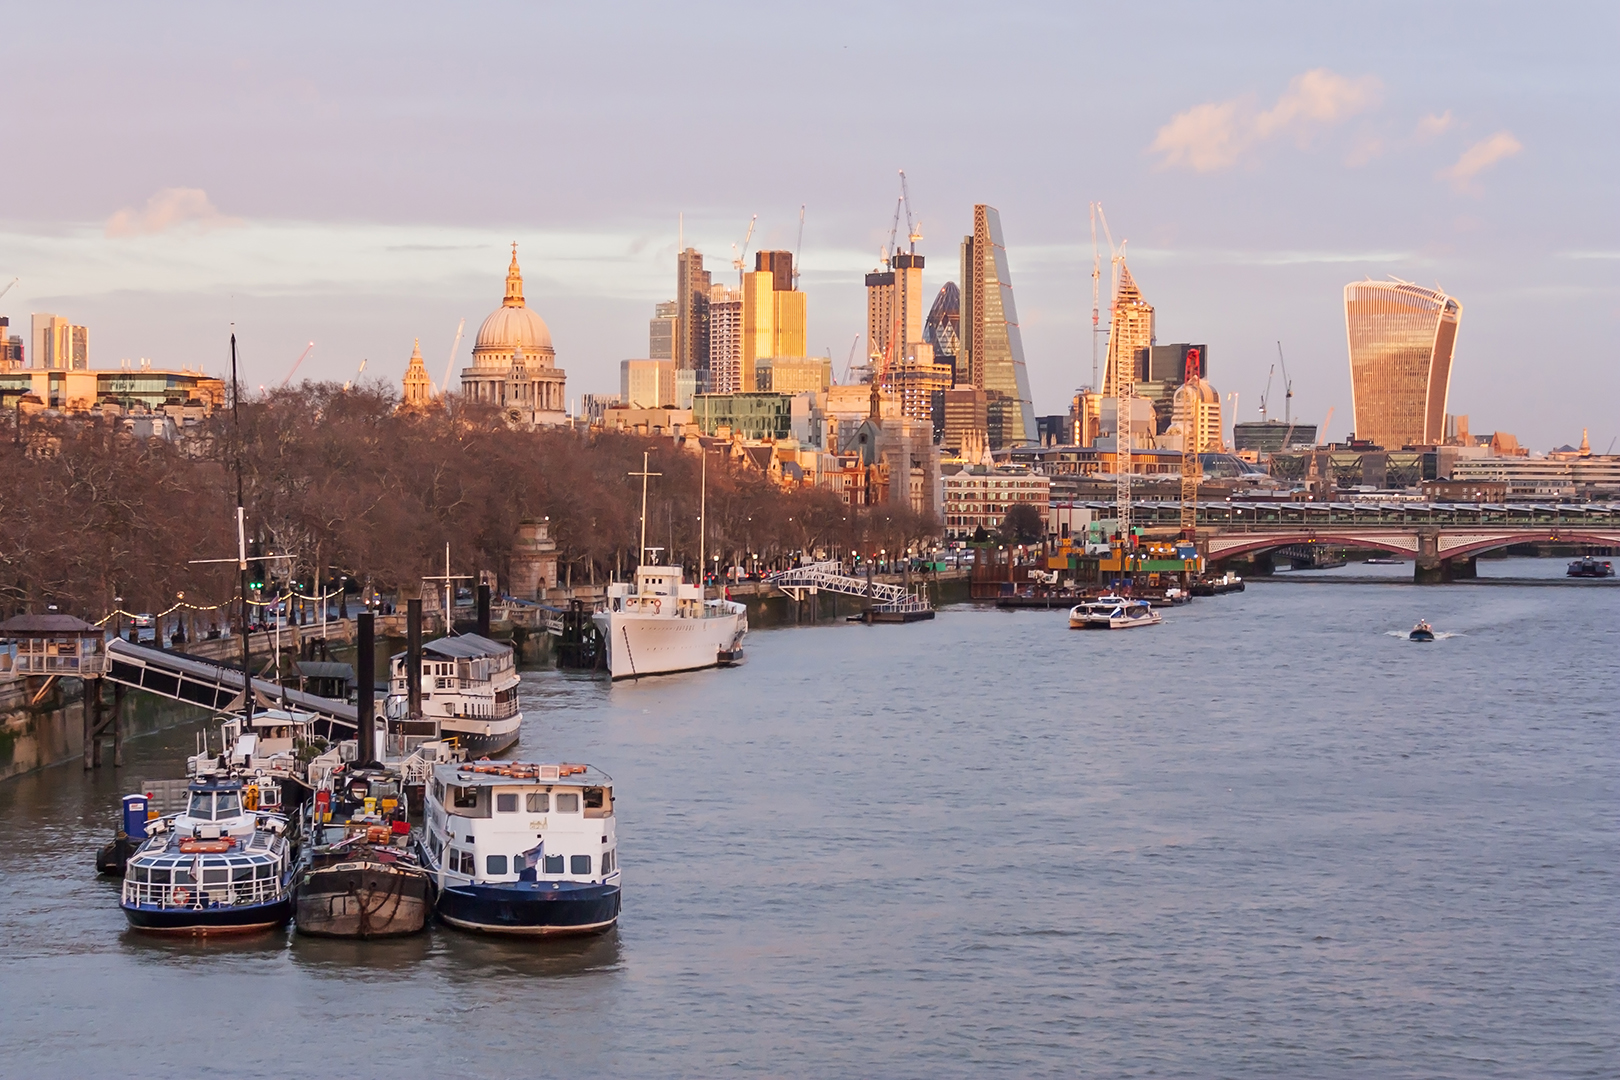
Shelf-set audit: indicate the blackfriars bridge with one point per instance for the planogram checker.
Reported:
(1441, 539)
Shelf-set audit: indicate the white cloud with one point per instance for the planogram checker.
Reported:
(1433, 125)
(1479, 157)
(1215, 135)
(167, 209)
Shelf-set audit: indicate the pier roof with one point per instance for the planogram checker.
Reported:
(466, 647)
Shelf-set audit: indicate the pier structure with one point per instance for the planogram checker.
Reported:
(885, 602)
(53, 647)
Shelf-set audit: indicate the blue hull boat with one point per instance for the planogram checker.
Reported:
(531, 908)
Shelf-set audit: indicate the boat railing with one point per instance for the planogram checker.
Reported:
(216, 895)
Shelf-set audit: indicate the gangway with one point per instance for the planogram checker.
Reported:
(215, 686)
(829, 577)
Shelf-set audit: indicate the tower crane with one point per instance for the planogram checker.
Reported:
(740, 258)
(797, 245)
(9, 284)
(1288, 398)
(891, 248)
(1266, 396)
(1321, 434)
(849, 364)
(300, 360)
(913, 229)
(444, 387)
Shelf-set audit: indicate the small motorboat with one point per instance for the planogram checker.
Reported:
(1112, 613)
(1589, 567)
(1422, 631)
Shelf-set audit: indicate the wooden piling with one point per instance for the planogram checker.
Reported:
(118, 725)
(92, 699)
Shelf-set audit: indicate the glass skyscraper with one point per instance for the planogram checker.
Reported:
(1401, 339)
(991, 348)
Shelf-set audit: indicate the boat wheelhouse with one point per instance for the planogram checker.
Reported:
(523, 849)
(469, 689)
(219, 866)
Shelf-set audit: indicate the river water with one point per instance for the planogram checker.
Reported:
(1269, 837)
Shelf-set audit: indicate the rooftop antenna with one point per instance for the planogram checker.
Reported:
(797, 245)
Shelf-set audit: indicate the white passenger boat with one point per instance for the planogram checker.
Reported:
(658, 624)
(1112, 613)
(469, 688)
(521, 849)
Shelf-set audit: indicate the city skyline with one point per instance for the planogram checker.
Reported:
(1295, 160)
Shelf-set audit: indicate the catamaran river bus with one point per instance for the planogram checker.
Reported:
(522, 849)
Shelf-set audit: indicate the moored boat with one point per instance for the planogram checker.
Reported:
(469, 689)
(359, 874)
(219, 866)
(522, 849)
(658, 625)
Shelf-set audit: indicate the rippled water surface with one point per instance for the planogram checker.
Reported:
(1270, 836)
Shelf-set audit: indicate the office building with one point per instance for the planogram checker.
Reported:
(514, 366)
(661, 331)
(11, 346)
(418, 386)
(725, 340)
(1271, 436)
(691, 330)
(978, 497)
(774, 313)
(646, 384)
(1160, 371)
(59, 345)
(943, 327)
(136, 388)
(894, 309)
(1197, 409)
(966, 415)
(1401, 339)
(991, 346)
(793, 374)
(915, 379)
(745, 415)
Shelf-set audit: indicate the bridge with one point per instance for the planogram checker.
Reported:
(829, 577)
(1442, 539)
(212, 685)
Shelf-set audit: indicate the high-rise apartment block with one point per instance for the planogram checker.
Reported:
(59, 345)
(774, 314)
(691, 329)
(661, 331)
(725, 339)
(992, 347)
(1402, 337)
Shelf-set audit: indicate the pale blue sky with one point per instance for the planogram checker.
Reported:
(364, 167)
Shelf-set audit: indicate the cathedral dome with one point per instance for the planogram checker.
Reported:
(512, 325)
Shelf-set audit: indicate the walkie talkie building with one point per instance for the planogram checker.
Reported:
(1401, 341)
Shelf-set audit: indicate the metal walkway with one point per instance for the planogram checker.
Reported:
(211, 685)
(829, 577)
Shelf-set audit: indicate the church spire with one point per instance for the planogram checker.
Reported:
(514, 282)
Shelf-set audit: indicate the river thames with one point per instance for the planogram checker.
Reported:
(1269, 837)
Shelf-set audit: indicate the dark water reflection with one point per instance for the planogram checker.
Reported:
(1268, 837)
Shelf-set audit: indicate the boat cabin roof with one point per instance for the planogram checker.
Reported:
(505, 773)
(465, 647)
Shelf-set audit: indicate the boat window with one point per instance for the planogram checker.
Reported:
(468, 867)
(579, 864)
(567, 803)
(470, 802)
(495, 864)
(202, 805)
(506, 803)
(598, 802)
(216, 877)
(137, 873)
(264, 871)
(159, 877)
(229, 804)
(554, 864)
(538, 802)
(607, 862)
(182, 876)
(241, 873)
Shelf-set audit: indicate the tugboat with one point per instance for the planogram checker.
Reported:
(220, 866)
(523, 850)
(1590, 567)
(1422, 631)
(1112, 613)
(359, 875)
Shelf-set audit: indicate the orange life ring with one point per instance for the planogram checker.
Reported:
(658, 606)
(181, 897)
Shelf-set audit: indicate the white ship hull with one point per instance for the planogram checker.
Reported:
(657, 644)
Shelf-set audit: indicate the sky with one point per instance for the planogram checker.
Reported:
(353, 175)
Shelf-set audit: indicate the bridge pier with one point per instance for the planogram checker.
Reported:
(1438, 571)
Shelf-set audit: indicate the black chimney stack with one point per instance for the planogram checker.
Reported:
(413, 657)
(365, 674)
(483, 611)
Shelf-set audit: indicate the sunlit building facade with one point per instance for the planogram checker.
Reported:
(1401, 339)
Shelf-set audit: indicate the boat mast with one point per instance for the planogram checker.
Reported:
(703, 519)
(241, 545)
(644, 474)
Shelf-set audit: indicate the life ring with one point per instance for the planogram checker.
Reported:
(658, 606)
(181, 897)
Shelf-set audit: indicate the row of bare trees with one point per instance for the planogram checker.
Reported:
(346, 485)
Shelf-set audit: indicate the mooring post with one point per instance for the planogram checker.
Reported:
(89, 733)
(483, 610)
(413, 658)
(365, 673)
(118, 725)
(92, 697)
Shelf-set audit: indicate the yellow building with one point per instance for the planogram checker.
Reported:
(774, 314)
(1401, 341)
(1130, 332)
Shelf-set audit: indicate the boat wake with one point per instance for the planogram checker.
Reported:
(1439, 635)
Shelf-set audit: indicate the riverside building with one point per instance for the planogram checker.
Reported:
(1401, 339)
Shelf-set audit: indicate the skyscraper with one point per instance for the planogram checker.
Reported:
(691, 311)
(943, 328)
(59, 345)
(773, 313)
(661, 331)
(991, 346)
(894, 309)
(1401, 341)
(1130, 331)
(725, 339)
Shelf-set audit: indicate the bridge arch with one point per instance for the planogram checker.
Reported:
(1226, 547)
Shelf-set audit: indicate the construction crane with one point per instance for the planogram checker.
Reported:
(1288, 399)
(797, 245)
(892, 247)
(739, 259)
(455, 346)
(913, 229)
(1321, 434)
(1192, 469)
(356, 378)
(8, 286)
(849, 364)
(300, 360)
(1266, 396)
